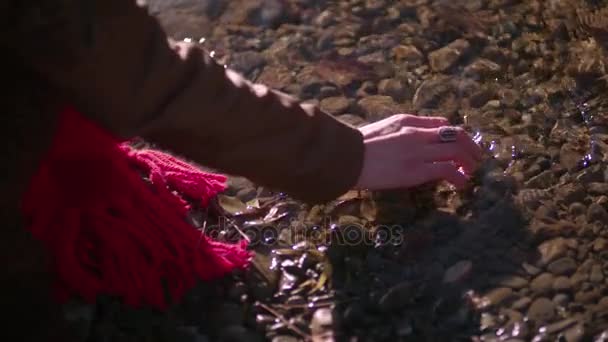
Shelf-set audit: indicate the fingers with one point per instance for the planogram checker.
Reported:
(463, 140)
(444, 171)
(449, 152)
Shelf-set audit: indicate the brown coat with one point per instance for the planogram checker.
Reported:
(114, 62)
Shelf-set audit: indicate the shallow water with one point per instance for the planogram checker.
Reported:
(520, 255)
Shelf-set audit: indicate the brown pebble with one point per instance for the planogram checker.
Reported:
(562, 266)
(542, 310)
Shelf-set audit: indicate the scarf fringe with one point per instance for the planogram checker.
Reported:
(109, 232)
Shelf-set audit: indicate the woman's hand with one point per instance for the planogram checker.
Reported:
(403, 151)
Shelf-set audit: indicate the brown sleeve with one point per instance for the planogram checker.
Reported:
(136, 82)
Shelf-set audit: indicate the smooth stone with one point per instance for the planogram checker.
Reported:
(542, 310)
(596, 212)
(378, 107)
(577, 209)
(599, 244)
(458, 272)
(514, 282)
(335, 105)
(561, 299)
(482, 68)
(487, 321)
(559, 326)
(514, 315)
(588, 297)
(562, 283)
(530, 269)
(596, 275)
(578, 278)
(352, 120)
(521, 303)
(394, 88)
(542, 283)
(597, 188)
(408, 53)
(553, 249)
(562, 266)
(396, 297)
(541, 181)
(575, 334)
(496, 296)
(446, 57)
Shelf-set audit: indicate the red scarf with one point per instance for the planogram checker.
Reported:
(110, 232)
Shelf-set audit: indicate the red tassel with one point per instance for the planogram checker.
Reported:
(109, 232)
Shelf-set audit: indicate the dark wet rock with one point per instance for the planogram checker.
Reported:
(394, 88)
(409, 54)
(552, 249)
(541, 181)
(352, 120)
(482, 69)
(596, 275)
(378, 107)
(336, 105)
(596, 212)
(577, 209)
(561, 299)
(268, 13)
(543, 283)
(562, 266)
(458, 272)
(246, 62)
(443, 59)
(396, 297)
(562, 283)
(496, 297)
(600, 244)
(522, 303)
(430, 92)
(588, 296)
(513, 282)
(541, 310)
(597, 188)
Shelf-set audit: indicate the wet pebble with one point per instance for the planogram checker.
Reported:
(378, 107)
(514, 282)
(561, 299)
(542, 283)
(408, 53)
(562, 266)
(496, 297)
(521, 303)
(600, 244)
(458, 272)
(335, 105)
(542, 310)
(596, 275)
(396, 297)
(394, 88)
(596, 212)
(552, 249)
(562, 283)
(446, 57)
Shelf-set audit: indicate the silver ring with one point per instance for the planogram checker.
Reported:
(447, 134)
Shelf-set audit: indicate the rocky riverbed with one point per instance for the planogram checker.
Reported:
(522, 255)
